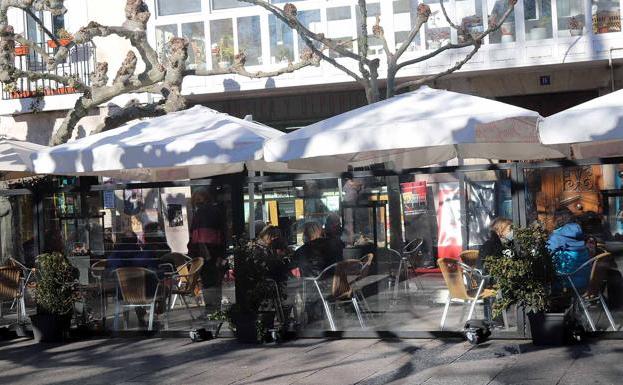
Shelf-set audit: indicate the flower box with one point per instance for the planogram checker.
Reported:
(64, 43)
(22, 50)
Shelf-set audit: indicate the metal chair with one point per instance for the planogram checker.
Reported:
(12, 289)
(470, 257)
(133, 292)
(456, 274)
(98, 269)
(409, 252)
(594, 289)
(339, 290)
(187, 277)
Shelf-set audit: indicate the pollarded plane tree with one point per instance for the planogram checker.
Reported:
(163, 76)
(367, 72)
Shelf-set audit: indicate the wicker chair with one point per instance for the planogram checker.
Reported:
(134, 291)
(187, 277)
(470, 257)
(599, 267)
(455, 274)
(12, 289)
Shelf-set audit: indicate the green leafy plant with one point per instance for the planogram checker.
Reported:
(55, 284)
(226, 49)
(524, 273)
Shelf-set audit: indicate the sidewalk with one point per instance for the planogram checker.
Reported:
(307, 361)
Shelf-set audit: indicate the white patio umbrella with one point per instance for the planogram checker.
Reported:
(415, 129)
(15, 157)
(592, 129)
(194, 143)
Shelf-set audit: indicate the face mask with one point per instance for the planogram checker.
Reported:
(509, 236)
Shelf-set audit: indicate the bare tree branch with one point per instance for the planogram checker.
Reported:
(131, 111)
(423, 13)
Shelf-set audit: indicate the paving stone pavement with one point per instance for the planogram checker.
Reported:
(309, 361)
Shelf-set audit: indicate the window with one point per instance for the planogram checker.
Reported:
(538, 19)
(168, 7)
(164, 33)
(506, 33)
(470, 16)
(222, 43)
(311, 20)
(437, 31)
(405, 14)
(571, 18)
(281, 41)
(225, 4)
(194, 33)
(250, 39)
(606, 16)
(340, 27)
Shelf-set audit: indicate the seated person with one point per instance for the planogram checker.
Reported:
(154, 248)
(125, 250)
(500, 234)
(569, 251)
(317, 253)
(273, 249)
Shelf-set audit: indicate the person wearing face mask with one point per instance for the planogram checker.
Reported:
(500, 236)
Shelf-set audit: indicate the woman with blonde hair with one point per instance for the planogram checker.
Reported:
(501, 233)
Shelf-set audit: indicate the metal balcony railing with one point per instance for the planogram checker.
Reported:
(80, 63)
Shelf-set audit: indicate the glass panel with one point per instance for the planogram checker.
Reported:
(168, 7)
(506, 33)
(591, 197)
(606, 16)
(570, 17)
(470, 15)
(538, 19)
(405, 15)
(222, 43)
(281, 41)
(437, 28)
(224, 4)
(311, 20)
(339, 24)
(164, 33)
(194, 33)
(16, 229)
(250, 39)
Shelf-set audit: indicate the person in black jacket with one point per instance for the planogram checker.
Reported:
(500, 234)
(317, 253)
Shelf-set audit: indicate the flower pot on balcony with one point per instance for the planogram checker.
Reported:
(22, 50)
(64, 42)
(65, 90)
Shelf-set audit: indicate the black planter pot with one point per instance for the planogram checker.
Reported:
(50, 327)
(547, 329)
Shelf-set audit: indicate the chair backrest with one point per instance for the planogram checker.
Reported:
(470, 257)
(599, 271)
(10, 277)
(340, 288)
(453, 274)
(138, 285)
(98, 268)
(177, 259)
(367, 261)
(189, 275)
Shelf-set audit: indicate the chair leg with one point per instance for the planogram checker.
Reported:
(173, 301)
(358, 311)
(397, 282)
(187, 307)
(583, 305)
(327, 310)
(607, 311)
(445, 312)
(471, 309)
(152, 309)
(117, 313)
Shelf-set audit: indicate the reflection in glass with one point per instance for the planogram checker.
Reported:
(339, 23)
(311, 20)
(281, 41)
(571, 18)
(194, 33)
(250, 39)
(222, 43)
(538, 19)
(506, 32)
(606, 16)
(164, 33)
(168, 7)
(405, 15)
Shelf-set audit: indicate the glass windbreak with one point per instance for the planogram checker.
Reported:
(17, 238)
(571, 17)
(405, 16)
(585, 205)
(606, 16)
(538, 19)
(506, 32)
(281, 41)
(167, 246)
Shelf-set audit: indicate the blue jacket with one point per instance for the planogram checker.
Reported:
(569, 251)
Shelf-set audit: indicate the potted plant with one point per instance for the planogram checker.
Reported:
(225, 50)
(539, 32)
(64, 38)
(54, 297)
(576, 26)
(524, 275)
(251, 318)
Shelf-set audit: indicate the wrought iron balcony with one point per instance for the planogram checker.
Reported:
(80, 63)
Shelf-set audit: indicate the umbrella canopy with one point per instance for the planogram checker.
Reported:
(15, 157)
(415, 129)
(194, 143)
(593, 129)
